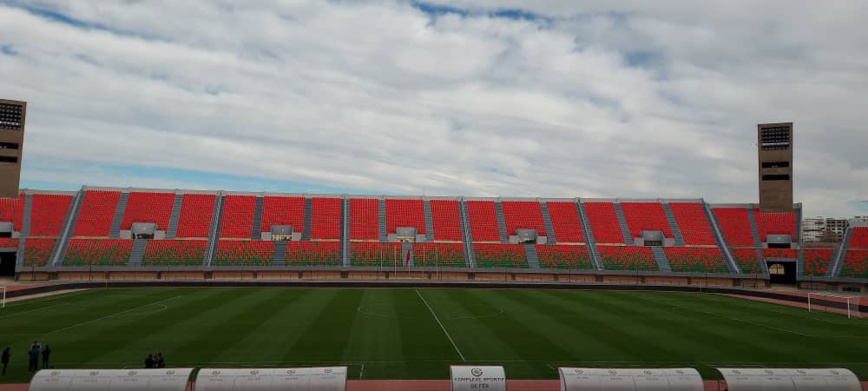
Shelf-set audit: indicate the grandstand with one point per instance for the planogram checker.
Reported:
(60, 234)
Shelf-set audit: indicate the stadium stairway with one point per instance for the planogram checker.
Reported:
(257, 219)
(532, 258)
(834, 269)
(757, 242)
(622, 222)
(214, 230)
(466, 234)
(138, 252)
(501, 222)
(345, 232)
(798, 238)
(660, 257)
(429, 220)
(407, 248)
(589, 236)
(115, 230)
(308, 207)
(547, 221)
(59, 251)
(381, 219)
(175, 216)
(279, 253)
(719, 239)
(679, 240)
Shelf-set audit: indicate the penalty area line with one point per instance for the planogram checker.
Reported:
(112, 315)
(441, 325)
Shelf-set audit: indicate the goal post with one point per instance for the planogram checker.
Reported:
(846, 305)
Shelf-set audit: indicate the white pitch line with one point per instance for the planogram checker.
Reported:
(441, 325)
(33, 310)
(110, 316)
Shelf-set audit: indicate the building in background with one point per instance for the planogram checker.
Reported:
(823, 229)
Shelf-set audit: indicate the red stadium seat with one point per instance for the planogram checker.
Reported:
(174, 252)
(859, 238)
(195, 218)
(696, 259)
(98, 252)
(12, 210)
(96, 213)
(523, 215)
(325, 219)
(364, 219)
(734, 225)
(376, 254)
(627, 258)
(564, 257)
(313, 253)
(817, 261)
(244, 253)
(747, 260)
(775, 223)
(237, 220)
(439, 254)
(483, 221)
(47, 213)
(489, 255)
(405, 213)
(855, 264)
(604, 222)
(37, 251)
(446, 220)
(565, 222)
(282, 211)
(148, 208)
(646, 216)
(779, 253)
(692, 223)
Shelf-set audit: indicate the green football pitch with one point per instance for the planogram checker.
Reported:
(418, 333)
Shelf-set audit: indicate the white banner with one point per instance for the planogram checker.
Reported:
(489, 378)
(789, 379)
(284, 379)
(174, 379)
(602, 379)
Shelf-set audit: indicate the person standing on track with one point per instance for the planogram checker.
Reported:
(5, 359)
(33, 355)
(46, 354)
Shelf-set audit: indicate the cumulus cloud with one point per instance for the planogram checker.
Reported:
(452, 97)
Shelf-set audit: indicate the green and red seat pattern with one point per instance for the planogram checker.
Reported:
(563, 257)
(490, 255)
(313, 253)
(439, 254)
(98, 252)
(696, 259)
(174, 253)
(244, 253)
(627, 258)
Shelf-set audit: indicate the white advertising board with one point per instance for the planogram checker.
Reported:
(612, 379)
(174, 379)
(272, 379)
(476, 378)
(790, 379)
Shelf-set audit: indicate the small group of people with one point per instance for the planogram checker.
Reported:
(32, 357)
(155, 361)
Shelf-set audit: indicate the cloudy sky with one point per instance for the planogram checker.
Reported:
(596, 98)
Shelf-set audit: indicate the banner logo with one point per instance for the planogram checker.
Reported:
(476, 372)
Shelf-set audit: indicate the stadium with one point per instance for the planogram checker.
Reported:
(303, 195)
